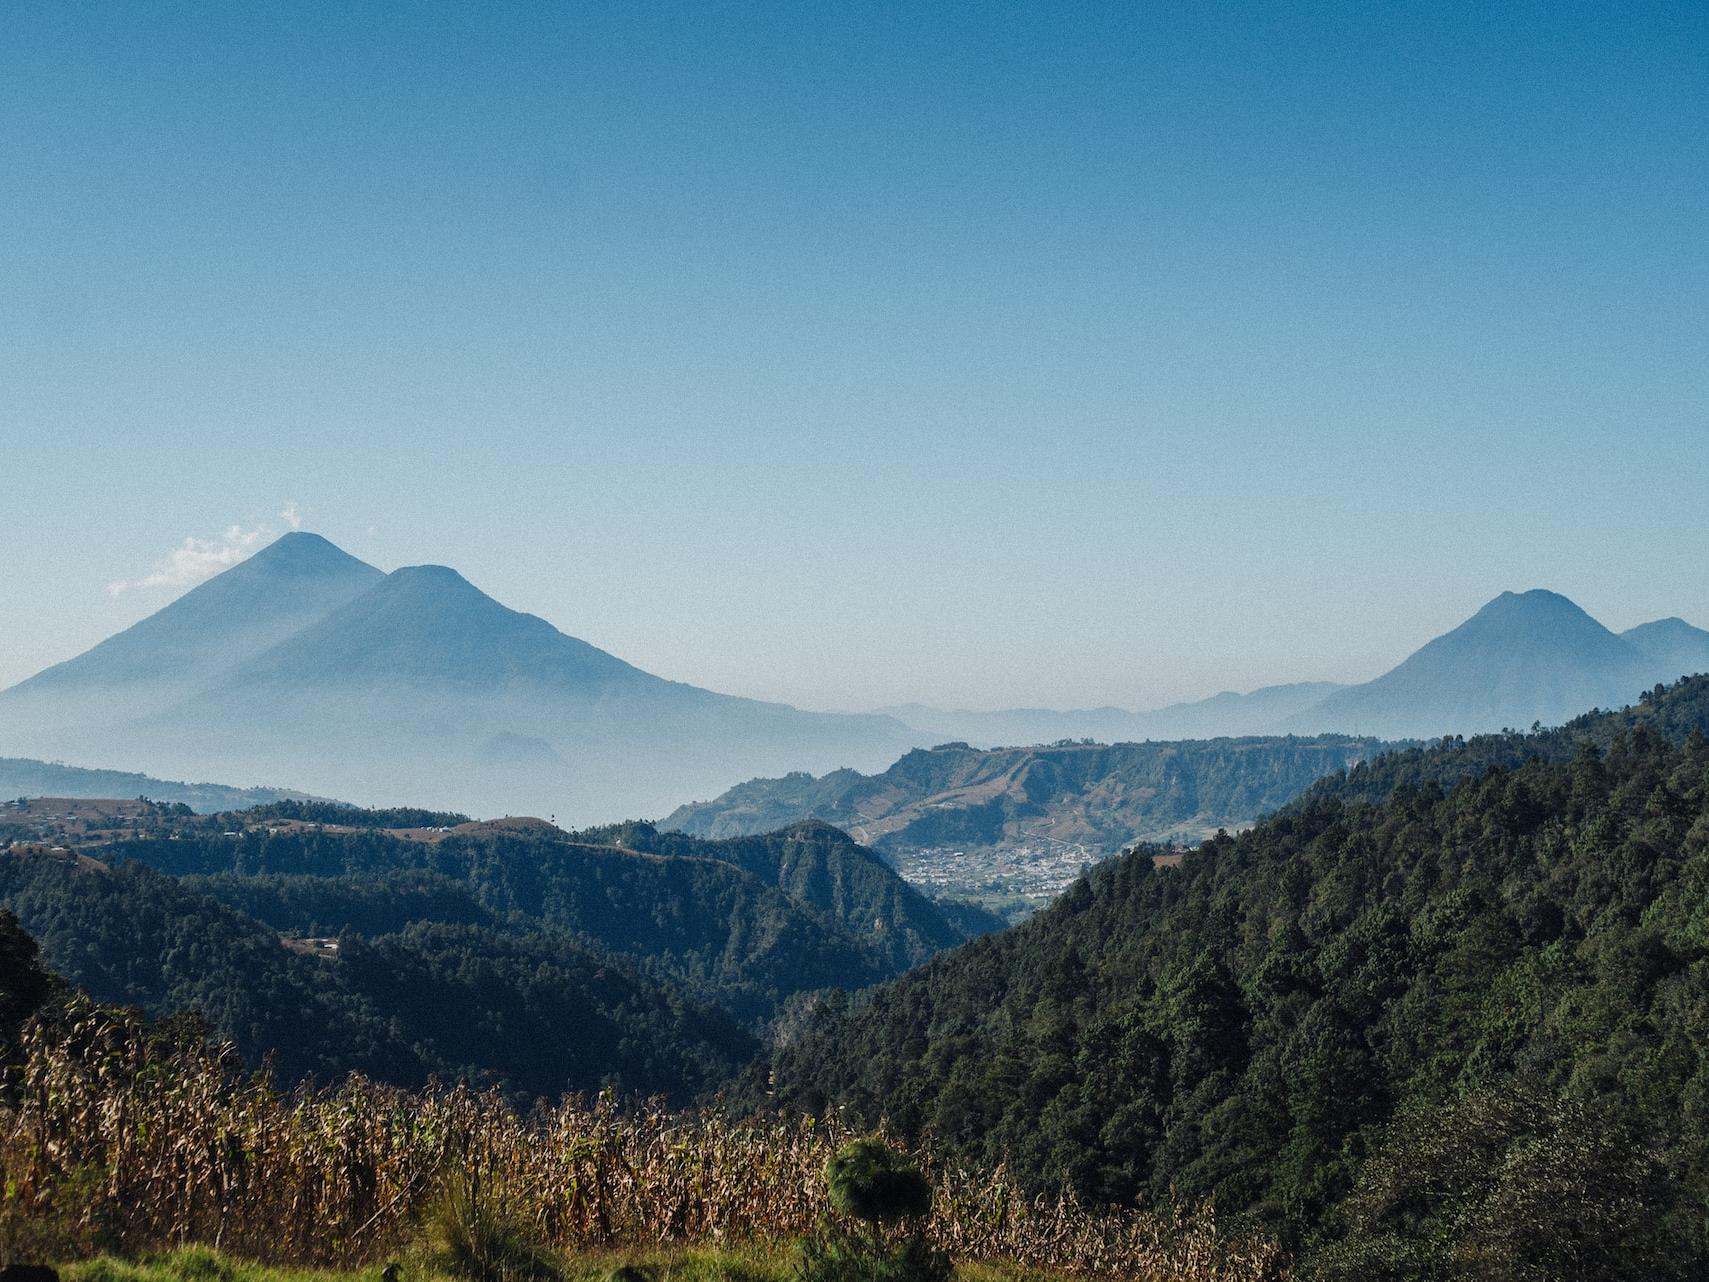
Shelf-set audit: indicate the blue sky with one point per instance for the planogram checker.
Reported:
(984, 355)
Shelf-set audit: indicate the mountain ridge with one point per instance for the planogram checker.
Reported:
(1227, 713)
(1009, 827)
(1525, 657)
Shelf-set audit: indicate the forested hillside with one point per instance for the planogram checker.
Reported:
(823, 867)
(538, 1012)
(1454, 1003)
(25, 986)
(475, 950)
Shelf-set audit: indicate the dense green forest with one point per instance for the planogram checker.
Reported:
(1447, 1007)
(510, 953)
(537, 1012)
(819, 865)
(745, 924)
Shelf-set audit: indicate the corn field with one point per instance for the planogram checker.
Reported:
(107, 1143)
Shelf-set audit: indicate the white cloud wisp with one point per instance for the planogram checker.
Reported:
(196, 559)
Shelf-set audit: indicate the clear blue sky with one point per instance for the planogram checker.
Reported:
(980, 354)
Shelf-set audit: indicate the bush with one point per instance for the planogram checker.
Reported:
(470, 1240)
(839, 1256)
(873, 1183)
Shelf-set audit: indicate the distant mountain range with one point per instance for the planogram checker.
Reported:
(1526, 657)
(305, 664)
(1222, 714)
(1102, 797)
(1009, 827)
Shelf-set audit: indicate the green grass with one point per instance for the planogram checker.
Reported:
(200, 1264)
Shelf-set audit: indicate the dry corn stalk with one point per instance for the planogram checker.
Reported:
(110, 1143)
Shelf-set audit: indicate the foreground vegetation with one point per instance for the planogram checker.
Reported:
(122, 1138)
(678, 1264)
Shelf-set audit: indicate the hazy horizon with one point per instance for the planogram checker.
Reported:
(981, 359)
(195, 565)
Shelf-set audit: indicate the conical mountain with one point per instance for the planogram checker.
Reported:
(428, 625)
(1525, 657)
(1672, 646)
(289, 585)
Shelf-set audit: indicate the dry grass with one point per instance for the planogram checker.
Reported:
(109, 1144)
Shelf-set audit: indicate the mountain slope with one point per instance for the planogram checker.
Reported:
(745, 925)
(22, 777)
(1672, 646)
(539, 1013)
(1247, 1025)
(427, 624)
(1523, 658)
(822, 866)
(419, 679)
(287, 586)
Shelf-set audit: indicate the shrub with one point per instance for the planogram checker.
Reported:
(871, 1182)
(836, 1255)
(472, 1241)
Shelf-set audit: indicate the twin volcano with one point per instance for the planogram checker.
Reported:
(306, 664)
(1525, 657)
